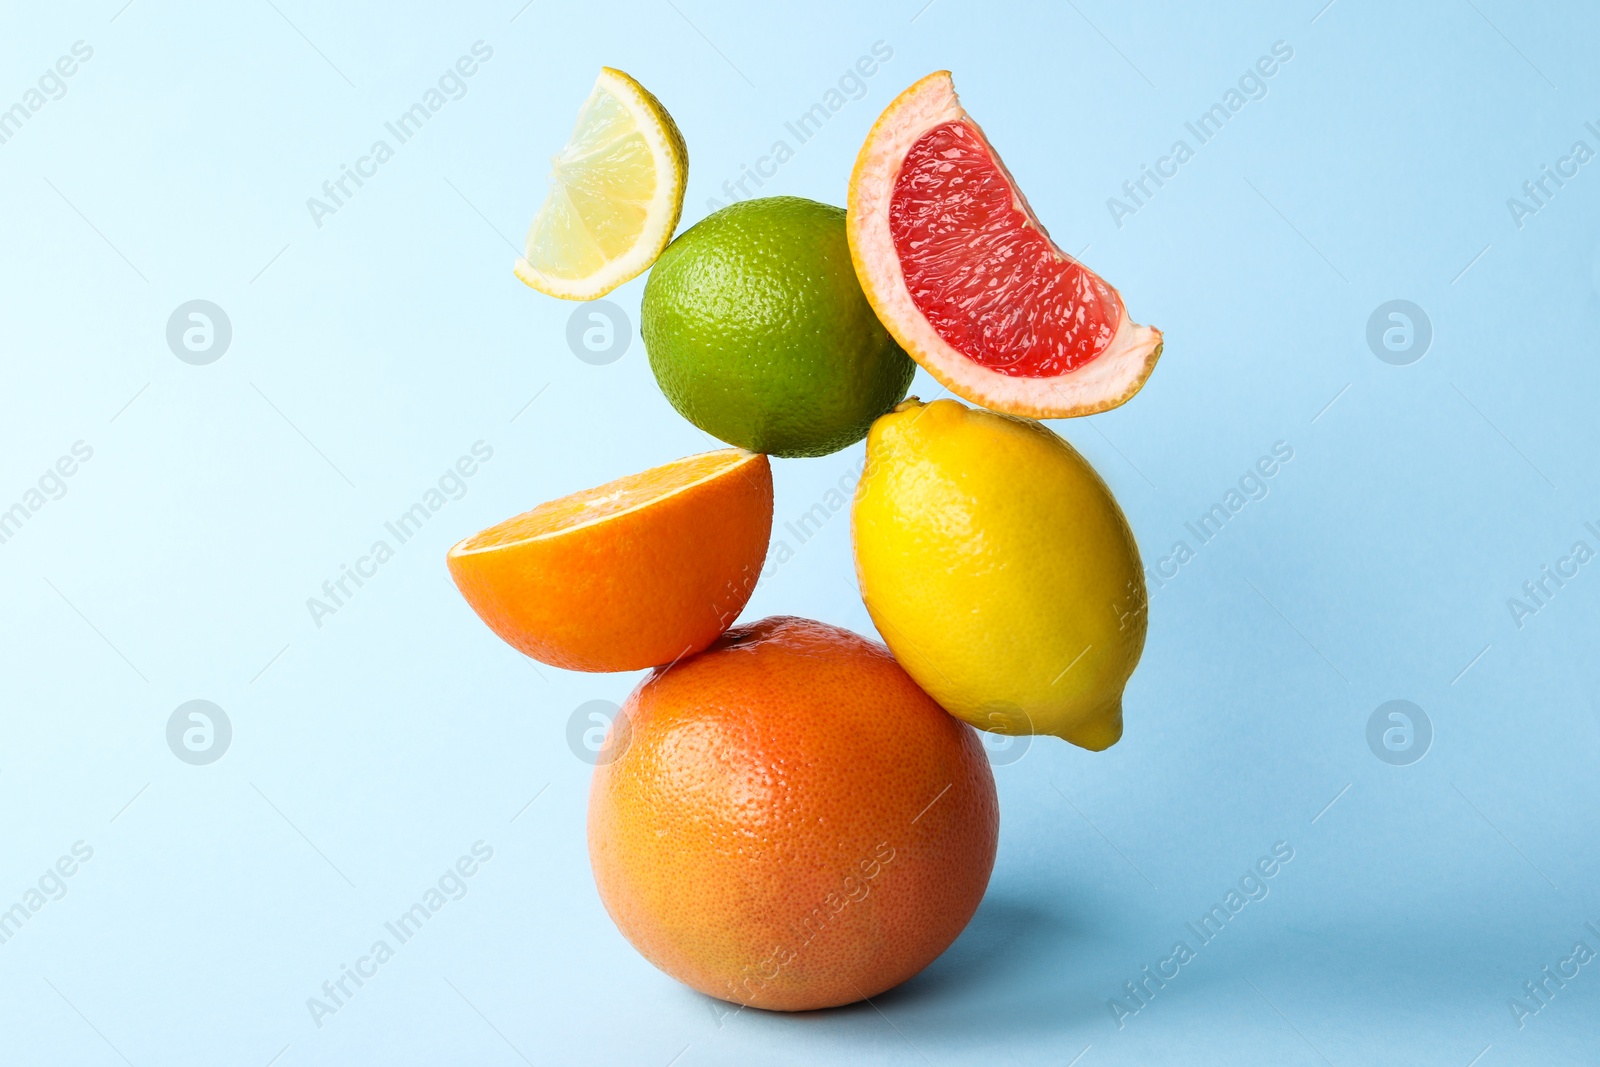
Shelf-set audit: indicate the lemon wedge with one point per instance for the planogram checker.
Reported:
(616, 192)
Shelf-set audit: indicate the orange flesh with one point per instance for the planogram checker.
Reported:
(605, 501)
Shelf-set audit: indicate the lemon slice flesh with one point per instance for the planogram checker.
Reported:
(616, 193)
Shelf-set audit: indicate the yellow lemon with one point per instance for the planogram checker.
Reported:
(615, 195)
(1000, 571)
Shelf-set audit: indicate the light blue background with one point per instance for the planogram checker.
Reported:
(368, 354)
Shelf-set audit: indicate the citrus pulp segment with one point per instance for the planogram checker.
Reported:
(615, 194)
(962, 273)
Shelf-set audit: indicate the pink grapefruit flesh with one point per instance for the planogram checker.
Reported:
(961, 272)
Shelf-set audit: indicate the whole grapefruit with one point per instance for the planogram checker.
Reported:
(792, 823)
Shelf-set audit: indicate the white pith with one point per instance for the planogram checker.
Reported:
(1105, 382)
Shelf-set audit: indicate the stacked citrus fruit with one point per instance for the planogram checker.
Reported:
(802, 817)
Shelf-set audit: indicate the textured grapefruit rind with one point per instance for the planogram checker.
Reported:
(731, 831)
(1107, 382)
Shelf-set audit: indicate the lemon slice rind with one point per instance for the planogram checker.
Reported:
(615, 195)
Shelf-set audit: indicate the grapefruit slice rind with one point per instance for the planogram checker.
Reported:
(1008, 371)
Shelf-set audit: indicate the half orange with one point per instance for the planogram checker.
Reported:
(636, 573)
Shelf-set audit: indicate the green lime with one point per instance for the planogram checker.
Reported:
(759, 334)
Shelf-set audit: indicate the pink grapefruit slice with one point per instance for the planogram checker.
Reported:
(963, 275)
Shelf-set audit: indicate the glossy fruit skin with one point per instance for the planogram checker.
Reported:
(998, 567)
(758, 331)
(638, 590)
(791, 823)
